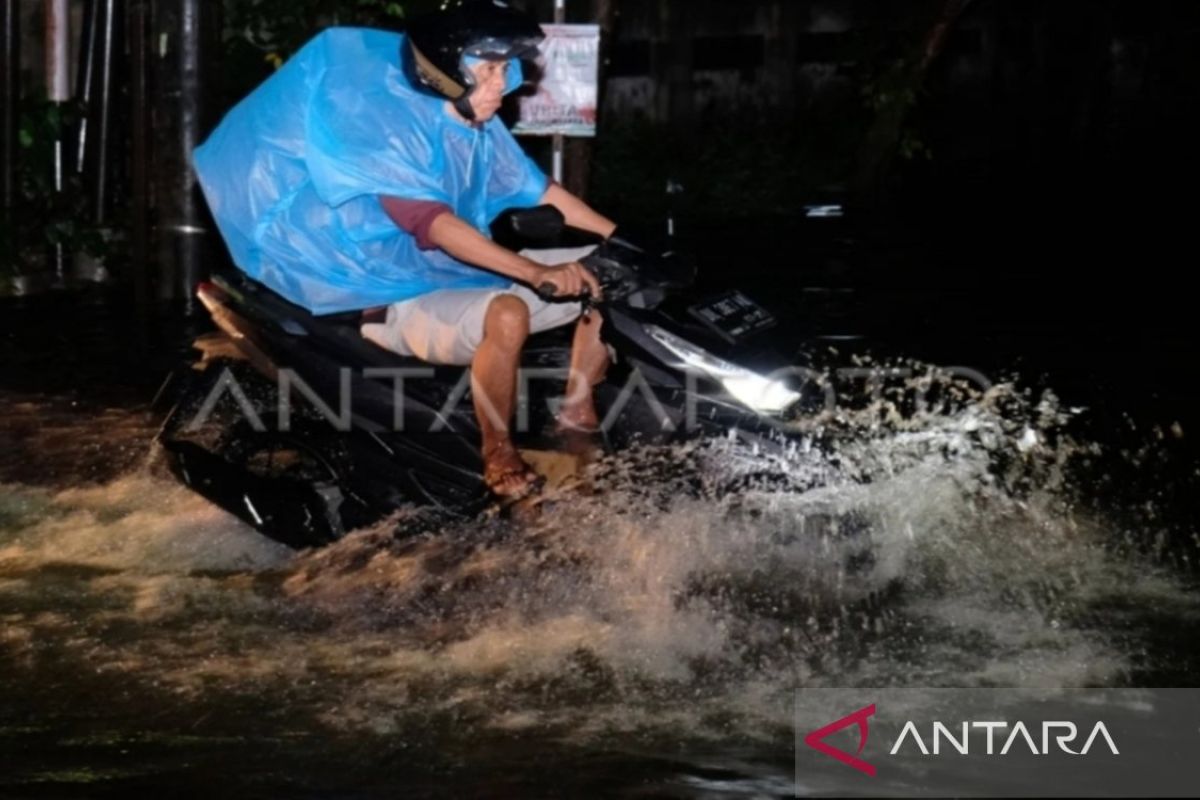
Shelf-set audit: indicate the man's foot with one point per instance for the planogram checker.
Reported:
(578, 432)
(579, 416)
(507, 475)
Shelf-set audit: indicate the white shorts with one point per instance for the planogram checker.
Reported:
(446, 326)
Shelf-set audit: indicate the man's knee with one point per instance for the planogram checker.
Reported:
(507, 320)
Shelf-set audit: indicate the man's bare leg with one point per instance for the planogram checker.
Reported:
(494, 390)
(589, 362)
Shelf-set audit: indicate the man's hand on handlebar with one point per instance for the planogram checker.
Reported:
(571, 279)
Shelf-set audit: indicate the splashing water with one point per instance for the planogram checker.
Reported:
(683, 596)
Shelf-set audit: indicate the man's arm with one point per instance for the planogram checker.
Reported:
(465, 243)
(435, 225)
(578, 213)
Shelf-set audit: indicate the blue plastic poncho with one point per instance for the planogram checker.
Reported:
(294, 173)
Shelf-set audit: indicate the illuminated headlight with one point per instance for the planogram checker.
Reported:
(749, 388)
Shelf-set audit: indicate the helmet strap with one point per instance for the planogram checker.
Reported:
(463, 105)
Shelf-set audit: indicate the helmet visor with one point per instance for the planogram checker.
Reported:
(513, 78)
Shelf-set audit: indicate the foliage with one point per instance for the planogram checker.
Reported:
(44, 217)
(259, 35)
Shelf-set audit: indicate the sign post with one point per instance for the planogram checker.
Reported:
(565, 103)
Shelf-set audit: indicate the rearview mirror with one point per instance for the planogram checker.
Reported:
(537, 224)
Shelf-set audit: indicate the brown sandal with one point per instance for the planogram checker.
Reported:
(495, 476)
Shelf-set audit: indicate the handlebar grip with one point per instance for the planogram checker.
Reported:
(548, 291)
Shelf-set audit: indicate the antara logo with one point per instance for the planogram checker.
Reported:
(1063, 733)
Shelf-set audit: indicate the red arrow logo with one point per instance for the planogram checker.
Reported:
(814, 739)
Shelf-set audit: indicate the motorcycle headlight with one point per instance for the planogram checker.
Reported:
(755, 391)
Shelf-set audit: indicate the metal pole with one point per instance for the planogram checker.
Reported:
(188, 226)
(94, 89)
(58, 90)
(560, 16)
(138, 36)
(83, 80)
(101, 109)
(178, 37)
(58, 82)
